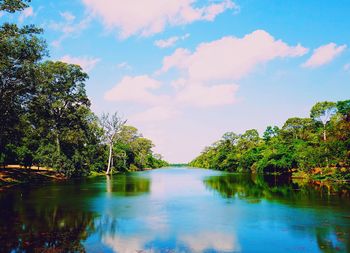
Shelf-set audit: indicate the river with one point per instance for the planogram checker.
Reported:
(175, 210)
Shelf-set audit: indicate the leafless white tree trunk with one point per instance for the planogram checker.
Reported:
(112, 125)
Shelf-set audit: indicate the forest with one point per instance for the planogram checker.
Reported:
(318, 146)
(46, 120)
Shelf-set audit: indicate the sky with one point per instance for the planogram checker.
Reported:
(184, 72)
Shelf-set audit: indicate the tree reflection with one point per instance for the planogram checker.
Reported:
(282, 188)
(127, 184)
(24, 228)
(330, 238)
(58, 217)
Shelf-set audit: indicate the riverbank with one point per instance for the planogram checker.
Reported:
(13, 175)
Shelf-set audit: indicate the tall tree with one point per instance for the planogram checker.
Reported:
(21, 50)
(112, 126)
(60, 103)
(61, 117)
(323, 112)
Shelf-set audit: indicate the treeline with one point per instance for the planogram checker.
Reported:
(318, 145)
(45, 112)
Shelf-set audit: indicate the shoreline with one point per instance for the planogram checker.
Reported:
(15, 175)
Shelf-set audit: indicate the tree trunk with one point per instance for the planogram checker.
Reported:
(108, 172)
(58, 145)
(325, 139)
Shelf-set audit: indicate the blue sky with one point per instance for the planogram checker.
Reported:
(184, 72)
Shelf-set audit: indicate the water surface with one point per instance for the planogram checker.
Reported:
(175, 210)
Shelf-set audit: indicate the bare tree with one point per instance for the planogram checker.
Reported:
(112, 125)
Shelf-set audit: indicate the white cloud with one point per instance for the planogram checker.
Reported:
(68, 27)
(347, 67)
(149, 17)
(156, 114)
(170, 41)
(124, 65)
(69, 17)
(208, 75)
(26, 13)
(207, 96)
(323, 55)
(87, 63)
(230, 58)
(167, 42)
(136, 89)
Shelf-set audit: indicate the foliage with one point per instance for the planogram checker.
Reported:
(13, 5)
(46, 118)
(133, 152)
(300, 144)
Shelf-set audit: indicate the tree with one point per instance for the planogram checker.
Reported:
(230, 138)
(295, 146)
(112, 125)
(45, 112)
(21, 50)
(323, 112)
(297, 128)
(248, 140)
(60, 115)
(343, 108)
(142, 147)
(61, 100)
(270, 132)
(13, 5)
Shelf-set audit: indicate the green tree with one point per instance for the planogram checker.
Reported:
(21, 50)
(343, 108)
(323, 112)
(59, 113)
(295, 146)
(297, 128)
(270, 132)
(13, 5)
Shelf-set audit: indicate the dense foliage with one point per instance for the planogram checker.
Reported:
(320, 144)
(45, 113)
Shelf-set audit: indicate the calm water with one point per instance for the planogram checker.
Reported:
(175, 210)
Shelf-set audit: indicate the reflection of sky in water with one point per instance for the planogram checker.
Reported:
(180, 213)
(174, 210)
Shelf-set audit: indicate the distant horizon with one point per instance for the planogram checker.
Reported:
(186, 72)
